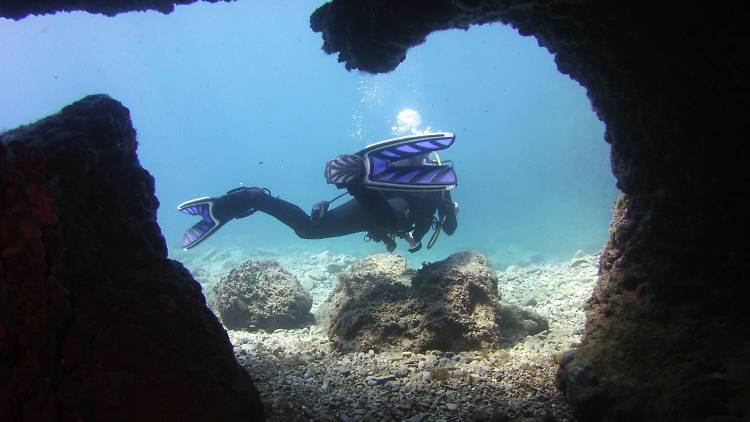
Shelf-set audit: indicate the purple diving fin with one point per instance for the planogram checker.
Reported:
(400, 164)
(208, 224)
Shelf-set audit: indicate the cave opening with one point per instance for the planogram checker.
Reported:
(535, 183)
(531, 155)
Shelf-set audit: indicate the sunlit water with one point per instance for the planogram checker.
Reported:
(240, 93)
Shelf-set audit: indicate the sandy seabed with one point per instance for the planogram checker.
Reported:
(300, 377)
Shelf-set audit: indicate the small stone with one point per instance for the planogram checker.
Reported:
(334, 267)
(316, 274)
(248, 347)
(383, 378)
(406, 354)
(345, 371)
(451, 407)
(371, 353)
(529, 326)
(426, 376)
(400, 372)
(577, 262)
(308, 284)
(449, 354)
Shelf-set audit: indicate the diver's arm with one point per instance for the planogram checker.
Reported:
(448, 209)
(374, 202)
(379, 210)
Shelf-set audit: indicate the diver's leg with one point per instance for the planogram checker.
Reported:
(349, 217)
(345, 219)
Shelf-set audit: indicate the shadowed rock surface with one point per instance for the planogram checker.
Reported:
(451, 305)
(18, 9)
(262, 295)
(667, 328)
(517, 323)
(95, 322)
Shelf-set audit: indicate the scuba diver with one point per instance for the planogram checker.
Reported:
(396, 192)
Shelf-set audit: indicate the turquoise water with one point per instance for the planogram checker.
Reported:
(241, 93)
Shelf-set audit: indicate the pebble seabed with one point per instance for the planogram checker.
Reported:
(301, 378)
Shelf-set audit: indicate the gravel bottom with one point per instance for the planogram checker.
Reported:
(301, 379)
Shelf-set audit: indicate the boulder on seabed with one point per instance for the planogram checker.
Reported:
(262, 295)
(449, 305)
(517, 323)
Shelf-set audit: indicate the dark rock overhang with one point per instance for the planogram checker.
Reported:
(19, 9)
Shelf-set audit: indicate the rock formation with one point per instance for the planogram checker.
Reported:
(667, 330)
(517, 323)
(262, 295)
(18, 9)
(449, 305)
(95, 322)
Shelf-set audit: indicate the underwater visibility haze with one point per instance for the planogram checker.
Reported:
(231, 94)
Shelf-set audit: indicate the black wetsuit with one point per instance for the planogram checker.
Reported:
(379, 213)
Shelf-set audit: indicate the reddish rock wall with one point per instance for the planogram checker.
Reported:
(95, 322)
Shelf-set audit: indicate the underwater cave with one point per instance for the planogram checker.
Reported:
(85, 274)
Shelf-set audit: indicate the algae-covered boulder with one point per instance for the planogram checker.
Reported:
(449, 305)
(261, 294)
(517, 323)
(364, 275)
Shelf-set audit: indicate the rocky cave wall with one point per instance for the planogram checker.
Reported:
(95, 322)
(667, 334)
(668, 328)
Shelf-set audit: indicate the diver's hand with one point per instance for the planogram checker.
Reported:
(390, 244)
(448, 208)
(319, 210)
(416, 248)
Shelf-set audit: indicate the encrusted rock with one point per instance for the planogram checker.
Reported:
(517, 323)
(95, 322)
(262, 294)
(17, 9)
(450, 305)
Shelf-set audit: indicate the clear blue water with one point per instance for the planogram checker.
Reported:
(241, 93)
